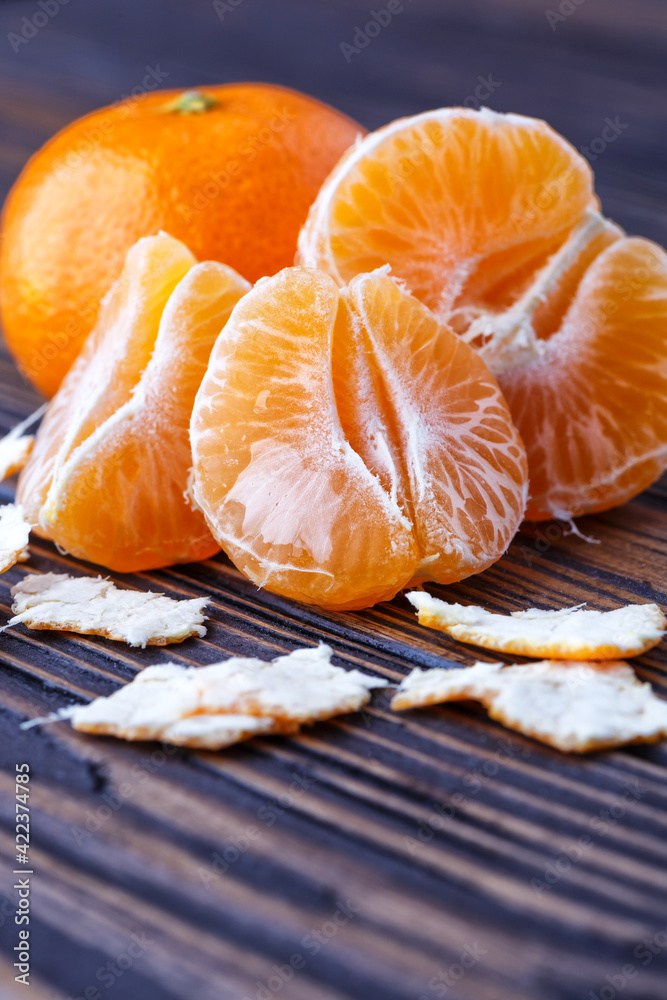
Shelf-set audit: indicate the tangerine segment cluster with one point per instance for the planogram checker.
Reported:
(492, 222)
(107, 475)
(346, 444)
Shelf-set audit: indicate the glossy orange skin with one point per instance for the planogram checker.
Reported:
(234, 182)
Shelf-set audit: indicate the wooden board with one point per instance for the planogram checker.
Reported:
(392, 858)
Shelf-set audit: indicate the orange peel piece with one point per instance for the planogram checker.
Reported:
(14, 535)
(16, 447)
(218, 705)
(574, 706)
(95, 606)
(14, 453)
(575, 633)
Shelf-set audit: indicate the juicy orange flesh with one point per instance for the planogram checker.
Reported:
(615, 344)
(491, 220)
(100, 381)
(499, 280)
(440, 415)
(438, 198)
(318, 442)
(110, 465)
(550, 314)
(283, 492)
(109, 365)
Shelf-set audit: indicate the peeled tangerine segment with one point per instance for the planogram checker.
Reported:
(107, 476)
(592, 406)
(437, 194)
(223, 703)
(492, 222)
(345, 443)
(575, 706)
(568, 634)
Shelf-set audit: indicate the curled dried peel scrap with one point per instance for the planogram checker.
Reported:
(568, 634)
(345, 443)
(576, 707)
(492, 221)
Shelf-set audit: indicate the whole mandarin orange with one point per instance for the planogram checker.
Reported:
(230, 170)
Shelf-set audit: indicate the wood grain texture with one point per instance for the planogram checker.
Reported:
(388, 857)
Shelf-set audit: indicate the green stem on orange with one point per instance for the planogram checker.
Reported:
(190, 102)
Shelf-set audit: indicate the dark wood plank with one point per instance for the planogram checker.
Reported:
(403, 843)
